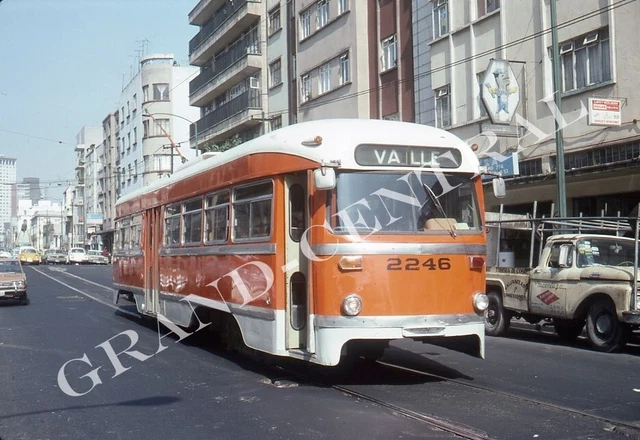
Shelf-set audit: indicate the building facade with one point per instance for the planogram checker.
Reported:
(229, 49)
(29, 189)
(8, 201)
(153, 117)
(86, 177)
(597, 61)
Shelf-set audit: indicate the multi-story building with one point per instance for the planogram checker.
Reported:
(600, 99)
(46, 225)
(107, 179)
(86, 140)
(29, 189)
(268, 64)
(7, 198)
(229, 50)
(354, 59)
(154, 116)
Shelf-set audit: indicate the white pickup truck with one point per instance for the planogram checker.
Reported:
(581, 278)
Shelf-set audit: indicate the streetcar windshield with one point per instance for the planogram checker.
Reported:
(420, 201)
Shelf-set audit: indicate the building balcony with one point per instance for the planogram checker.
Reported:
(204, 10)
(238, 114)
(223, 28)
(240, 61)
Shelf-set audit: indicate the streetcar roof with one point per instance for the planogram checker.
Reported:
(335, 137)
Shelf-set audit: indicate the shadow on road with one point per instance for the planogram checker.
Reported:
(147, 401)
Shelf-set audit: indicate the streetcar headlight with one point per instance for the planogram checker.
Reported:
(352, 305)
(351, 263)
(480, 302)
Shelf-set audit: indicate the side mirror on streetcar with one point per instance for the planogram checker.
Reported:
(499, 188)
(324, 178)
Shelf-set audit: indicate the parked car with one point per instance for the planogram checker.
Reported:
(96, 257)
(13, 282)
(55, 256)
(5, 254)
(29, 255)
(77, 255)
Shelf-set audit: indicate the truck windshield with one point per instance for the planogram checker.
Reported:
(605, 251)
(397, 202)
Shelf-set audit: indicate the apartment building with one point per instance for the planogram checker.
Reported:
(354, 59)
(153, 116)
(86, 175)
(229, 49)
(107, 179)
(598, 61)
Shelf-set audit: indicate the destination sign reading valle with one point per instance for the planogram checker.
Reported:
(407, 156)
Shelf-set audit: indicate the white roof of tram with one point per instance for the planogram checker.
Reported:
(335, 135)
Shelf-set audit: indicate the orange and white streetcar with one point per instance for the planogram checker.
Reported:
(316, 241)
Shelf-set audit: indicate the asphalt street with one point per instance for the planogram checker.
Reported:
(529, 386)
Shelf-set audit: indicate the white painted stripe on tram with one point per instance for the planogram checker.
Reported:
(126, 312)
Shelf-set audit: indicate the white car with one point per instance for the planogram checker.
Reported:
(77, 255)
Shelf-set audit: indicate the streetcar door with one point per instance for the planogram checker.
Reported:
(296, 264)
(151, 273)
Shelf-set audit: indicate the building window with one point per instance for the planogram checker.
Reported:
(483, 110)
(343, 6)
(160, 127)
(389, 53)
(145, 129)
(324, 79)
(323, 13)
(586, 61)
(443, 107)
(276, 122)
(145, 93)
(487, 6)
(216, 217)
(252, 211)
(305, 88)
(344, 70)
(440, 18)
(161, 92)
(305, 24)
(274, 20)
(275, 73)
(135, 136)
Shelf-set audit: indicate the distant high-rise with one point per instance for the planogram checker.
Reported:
(29, 189)
(7, 194)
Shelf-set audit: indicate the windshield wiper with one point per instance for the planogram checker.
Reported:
(434, 199)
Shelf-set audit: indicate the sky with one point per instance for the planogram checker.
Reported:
(63, 65)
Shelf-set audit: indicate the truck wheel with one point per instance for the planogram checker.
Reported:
(496, 320)
(568, 329)
(605, 332)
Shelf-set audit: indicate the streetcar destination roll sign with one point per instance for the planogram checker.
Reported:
(407, 156)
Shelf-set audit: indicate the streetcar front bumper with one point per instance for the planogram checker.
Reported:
(461, 332)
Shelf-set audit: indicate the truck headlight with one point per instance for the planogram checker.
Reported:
(352, 305)
(480, 302)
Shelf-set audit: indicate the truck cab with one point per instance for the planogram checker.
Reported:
(580, 279)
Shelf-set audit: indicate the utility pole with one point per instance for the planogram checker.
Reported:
(557, 86)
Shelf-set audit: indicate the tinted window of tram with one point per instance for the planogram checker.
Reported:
(192, 222)
(217, 217)
(172, 225)
(252, 211)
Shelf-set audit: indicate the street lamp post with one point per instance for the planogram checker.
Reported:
(195, 125)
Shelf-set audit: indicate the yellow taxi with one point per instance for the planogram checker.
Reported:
(29, 255)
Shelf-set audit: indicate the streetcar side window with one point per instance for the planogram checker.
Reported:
(216, 217)
(172, 225)
(252, 211)
(192, 222)
(125, 234)
(136, 229)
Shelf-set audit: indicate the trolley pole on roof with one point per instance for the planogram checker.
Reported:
(557, 85)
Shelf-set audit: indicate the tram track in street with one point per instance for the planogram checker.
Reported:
(616, 426)
(458, 430)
